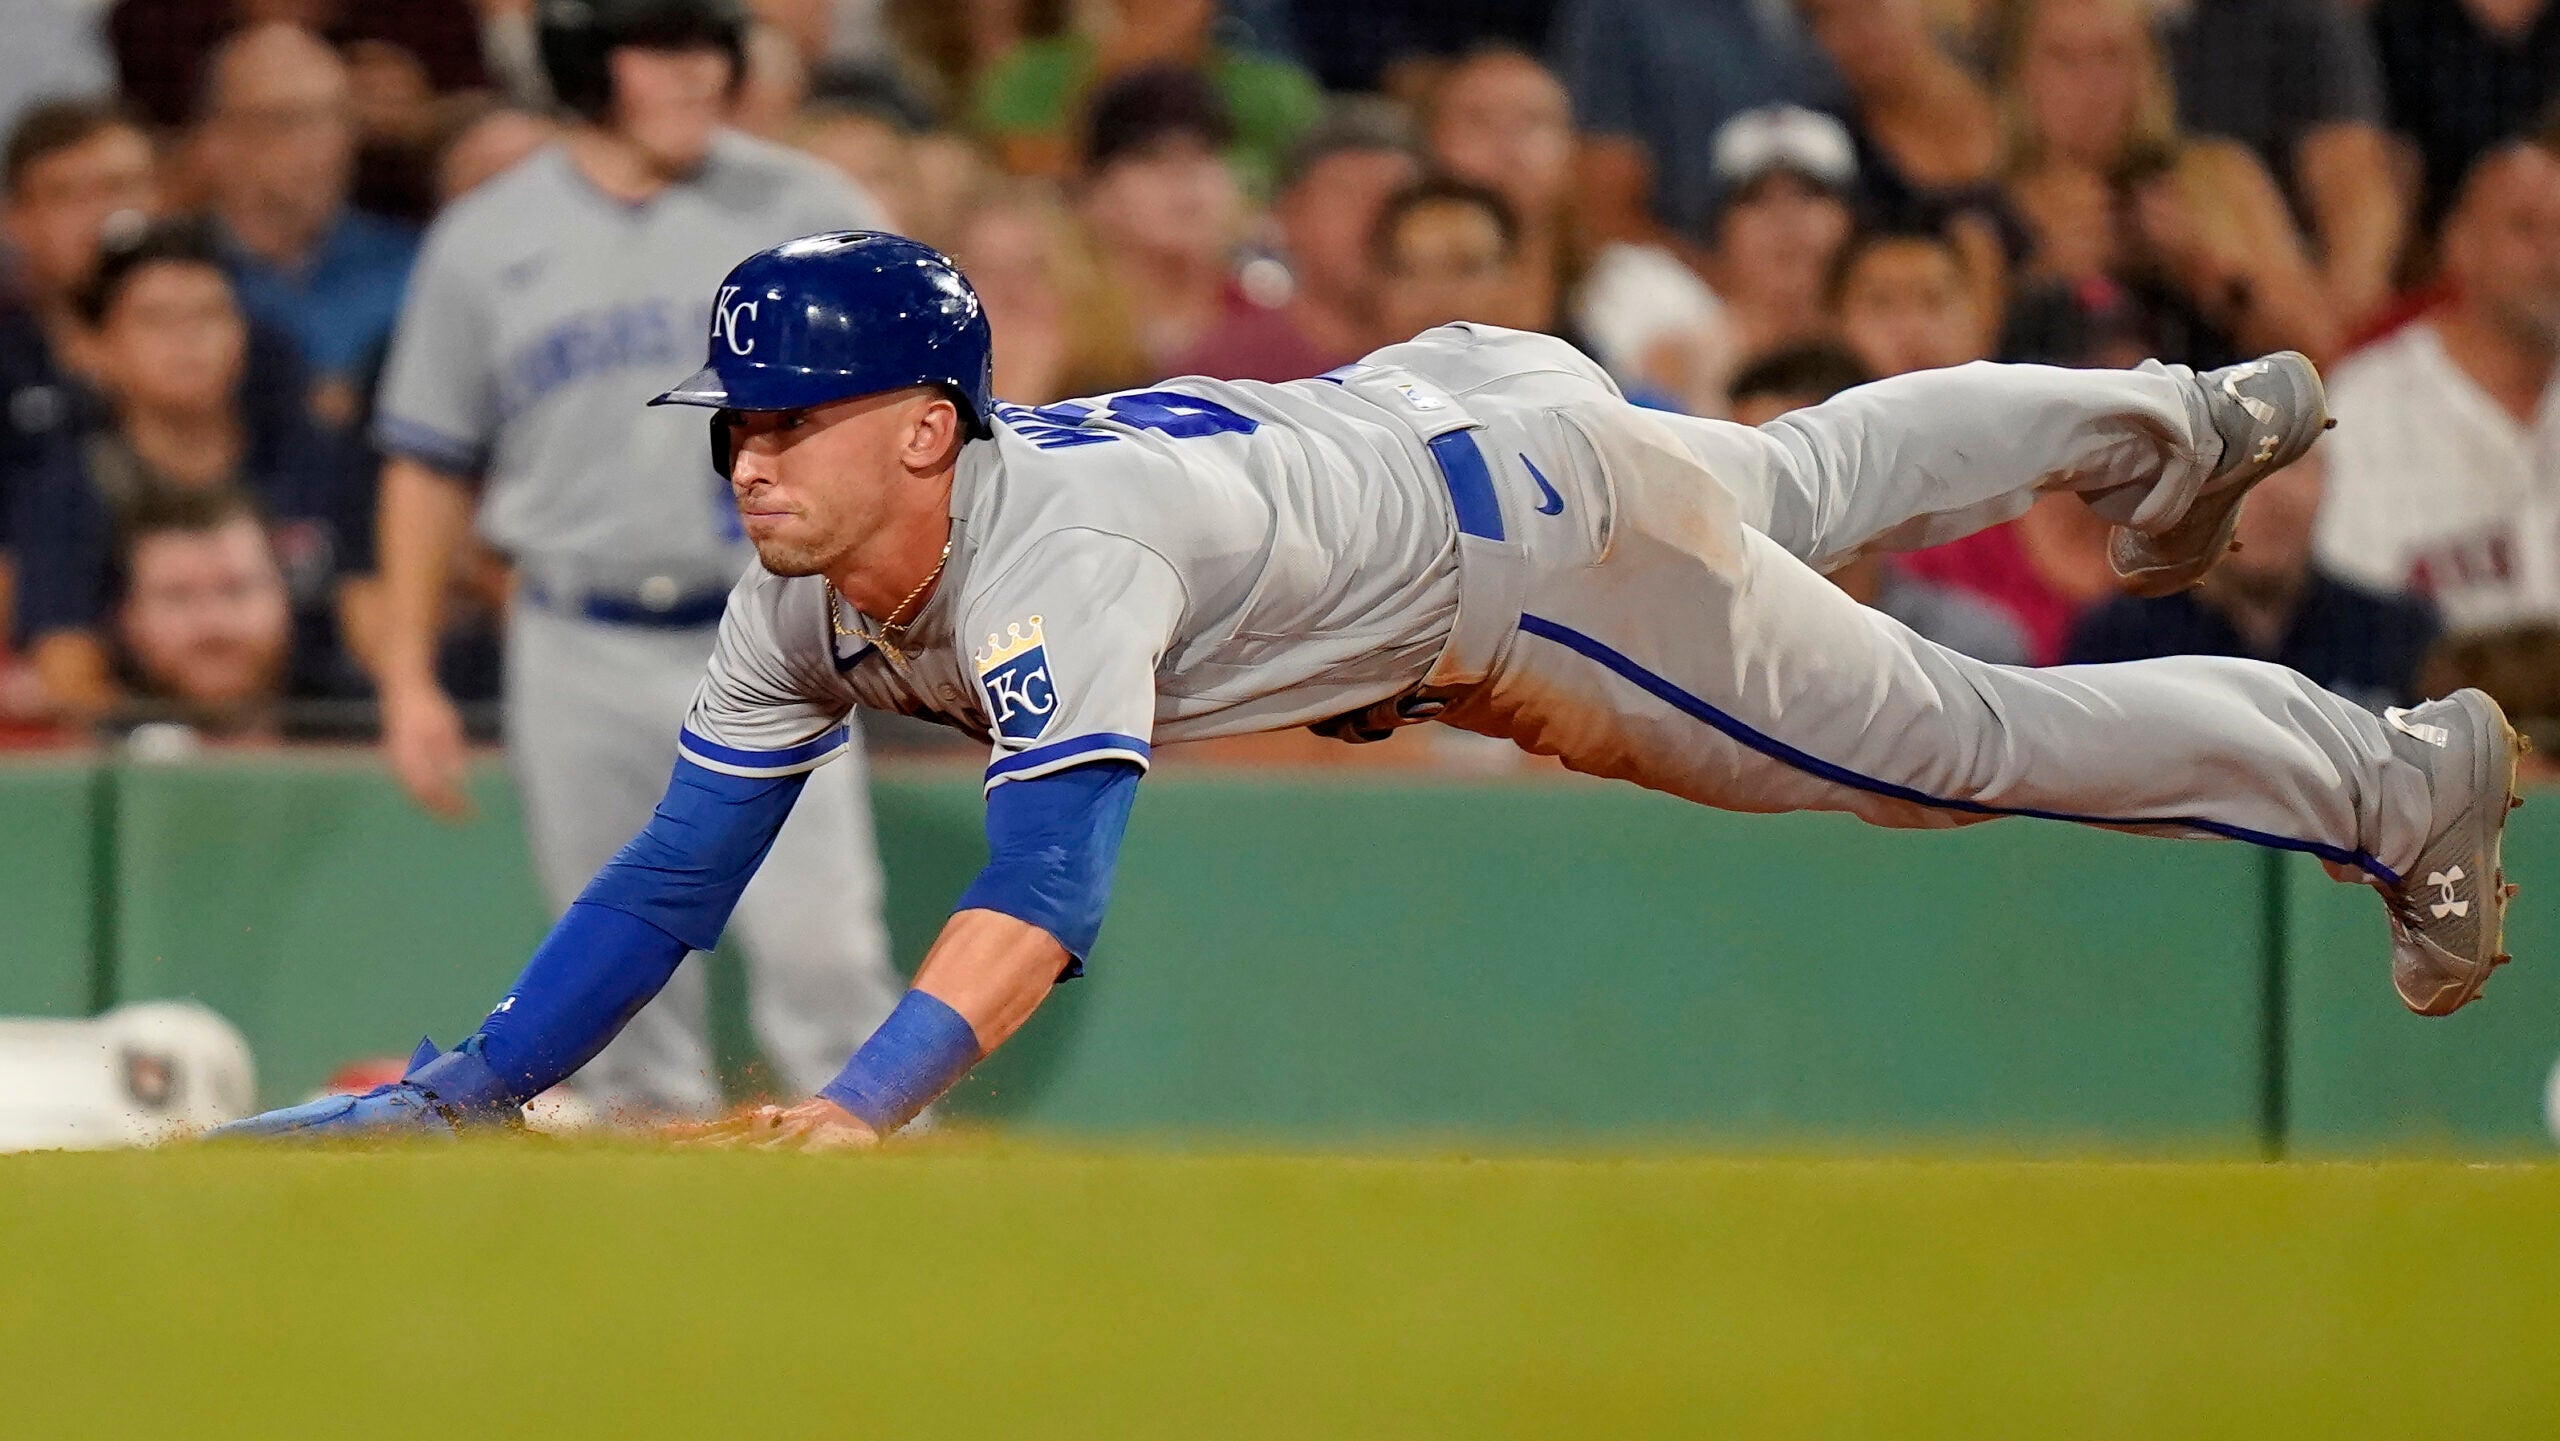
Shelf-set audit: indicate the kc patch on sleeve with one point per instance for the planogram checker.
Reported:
(1014, 670)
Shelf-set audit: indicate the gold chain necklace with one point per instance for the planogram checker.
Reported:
(882, 637)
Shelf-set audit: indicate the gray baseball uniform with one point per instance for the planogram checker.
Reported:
(541, 315)
(1475, 526)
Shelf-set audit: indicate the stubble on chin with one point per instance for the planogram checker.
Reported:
(788, 561)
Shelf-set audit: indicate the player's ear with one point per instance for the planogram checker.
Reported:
(933, 434)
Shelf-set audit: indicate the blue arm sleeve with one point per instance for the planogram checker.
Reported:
(1052, 843)
(668, 892)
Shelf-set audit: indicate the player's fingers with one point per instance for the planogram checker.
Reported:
(740, 1125)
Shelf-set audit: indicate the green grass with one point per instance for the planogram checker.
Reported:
(513, 1289)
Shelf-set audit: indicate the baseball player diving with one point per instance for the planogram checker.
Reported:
(1471, 527)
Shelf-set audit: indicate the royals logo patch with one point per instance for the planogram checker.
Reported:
(1014, 669)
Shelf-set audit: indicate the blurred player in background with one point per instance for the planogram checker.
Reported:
(547, 304)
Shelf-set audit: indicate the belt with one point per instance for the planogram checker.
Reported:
(675, 611)
(1491, 568)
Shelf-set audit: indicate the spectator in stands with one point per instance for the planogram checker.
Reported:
(1780, 217)
(481, 138)
(1386, 45)
(2445, 469)
(72, 166)
(1927, 135)
(1903, 302)
(277, 146)
(1062, 327)
(1498, 119)
(1653, 81)
(161, 46)
(2043, 570)
(775, 86)
(1165, 207)
(945, 47)
(166, 343)
(870, 146)
(203, 615)
(1334, 186)
(2268, 600)
(1502, 120)
(878, 135)
(1799, 376)
(1027, 99)
(1447, 250)
(2118, 201)
(2463, 75)
(2297, 82)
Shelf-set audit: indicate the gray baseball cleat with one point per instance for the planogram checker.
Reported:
(2449, 912)
(2267, 411)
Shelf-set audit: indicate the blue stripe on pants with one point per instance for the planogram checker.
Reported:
(1778, 750)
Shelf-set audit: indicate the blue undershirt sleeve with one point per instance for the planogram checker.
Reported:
(1052, 843)
(670, 891)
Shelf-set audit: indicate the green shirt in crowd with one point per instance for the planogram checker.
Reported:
(1036, 89)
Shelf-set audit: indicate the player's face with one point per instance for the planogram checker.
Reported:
(812, 485)
(670, 103)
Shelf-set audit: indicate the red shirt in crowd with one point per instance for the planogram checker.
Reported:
(1993, 565)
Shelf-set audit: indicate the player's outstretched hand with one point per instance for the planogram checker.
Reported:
(812, 1125)
(422, 738)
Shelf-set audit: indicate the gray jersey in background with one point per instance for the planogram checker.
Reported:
(542, 316)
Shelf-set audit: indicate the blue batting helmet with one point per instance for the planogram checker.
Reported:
(851, 312)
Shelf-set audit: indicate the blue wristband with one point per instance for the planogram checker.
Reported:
(915, 1056)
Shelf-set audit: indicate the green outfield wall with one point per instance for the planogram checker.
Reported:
(1340, 957)
(50, 895)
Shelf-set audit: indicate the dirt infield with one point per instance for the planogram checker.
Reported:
(962, 1289)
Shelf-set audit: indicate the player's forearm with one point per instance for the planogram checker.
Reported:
(424, 517)
(1024, 924)
(986, 974)
(994, 970)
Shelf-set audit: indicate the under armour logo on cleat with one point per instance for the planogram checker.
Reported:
(2259, 410)
(2443, 881)
(2266, 449)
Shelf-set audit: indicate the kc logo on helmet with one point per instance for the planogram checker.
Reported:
(1014, 667)
(726, 315)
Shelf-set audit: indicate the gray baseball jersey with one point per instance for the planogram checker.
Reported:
(1203, 559)
(543, 312)
(1206, 559)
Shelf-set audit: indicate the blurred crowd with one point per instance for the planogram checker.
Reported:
(1738, 206)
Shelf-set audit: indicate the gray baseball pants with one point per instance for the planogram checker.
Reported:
(591, 715)
(1677, 631)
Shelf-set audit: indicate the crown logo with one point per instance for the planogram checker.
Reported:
(1002, 648)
